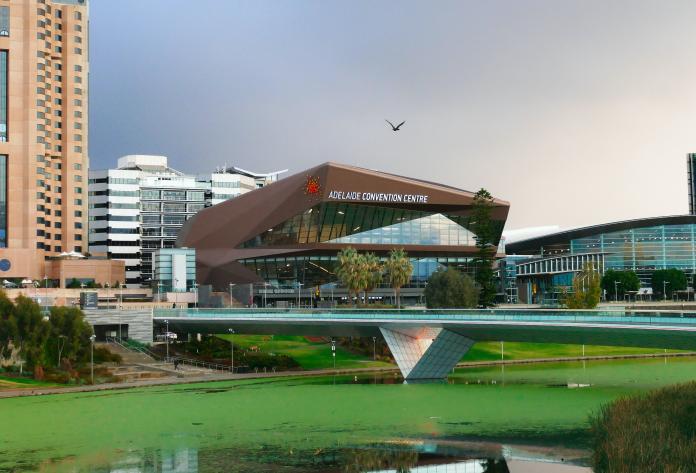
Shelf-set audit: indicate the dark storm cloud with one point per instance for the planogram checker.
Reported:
(577, 112)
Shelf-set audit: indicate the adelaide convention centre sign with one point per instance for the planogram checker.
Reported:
(378, 197)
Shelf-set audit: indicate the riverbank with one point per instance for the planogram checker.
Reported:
(38, 391)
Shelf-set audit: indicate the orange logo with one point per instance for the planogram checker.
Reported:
(312, 186)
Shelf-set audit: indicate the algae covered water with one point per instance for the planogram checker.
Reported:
(369, 423)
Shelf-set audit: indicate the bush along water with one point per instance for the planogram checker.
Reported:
(654, 432)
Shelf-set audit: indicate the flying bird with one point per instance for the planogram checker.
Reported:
(395, 128)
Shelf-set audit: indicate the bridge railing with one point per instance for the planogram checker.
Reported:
(517, 315)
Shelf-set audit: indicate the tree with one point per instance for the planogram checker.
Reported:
(74, 284)
(399, 269)
(586, 289)
(31, 334)
(69, 334)
(449, 288)
(668, 280)
(617, 283)
(351, 271)
(374, 271)
(485, 235)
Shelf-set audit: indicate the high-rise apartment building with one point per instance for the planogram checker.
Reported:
(140, 206)
(691, 175)
(43, 132)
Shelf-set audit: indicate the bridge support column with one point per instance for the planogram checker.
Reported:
(427, 352)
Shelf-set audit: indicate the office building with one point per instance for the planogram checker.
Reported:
(140, 206)
(175, 270)
(44, 67)
(286, 236)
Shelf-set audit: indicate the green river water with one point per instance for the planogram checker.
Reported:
(341, 424)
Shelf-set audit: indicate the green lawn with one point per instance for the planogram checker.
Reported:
(485, 351)
(310, 355)
(317, 355)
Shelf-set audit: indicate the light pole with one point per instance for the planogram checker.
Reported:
(664, 289)
(333, 352)
(166, 335)
(616, 291)
(120, 286)
(195, 296)
(374, 348)
(231, 348)
(299, 288)
(265, 294)
(91, 356)
(46, 288)
(159, 291)
(231, 296)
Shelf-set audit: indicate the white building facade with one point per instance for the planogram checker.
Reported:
(140, 206)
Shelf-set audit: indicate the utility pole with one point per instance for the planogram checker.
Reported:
(231, 348)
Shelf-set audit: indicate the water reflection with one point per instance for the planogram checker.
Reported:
(422, 458)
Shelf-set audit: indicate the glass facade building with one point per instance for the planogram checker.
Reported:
(642, 246)
(287, 235)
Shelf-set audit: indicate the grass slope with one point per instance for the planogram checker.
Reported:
(309, 354)
(317, 354)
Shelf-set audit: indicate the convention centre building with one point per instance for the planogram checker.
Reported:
(643, 246)
(282, 240)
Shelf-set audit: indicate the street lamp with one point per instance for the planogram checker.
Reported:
(664, 289)
(175, 289)
(46, 287)
(195, 296)
(166, 335)
(616, 290)
(91, 356)
(231, 297)
(265, 296)
(299, 288)
(333, 352)
(231, 348)
(374, 348)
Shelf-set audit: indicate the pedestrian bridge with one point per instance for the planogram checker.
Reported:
(427, 344)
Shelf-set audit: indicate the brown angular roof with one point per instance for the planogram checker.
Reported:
(218, 232)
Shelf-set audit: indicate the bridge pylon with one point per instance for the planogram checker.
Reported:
(425, 353)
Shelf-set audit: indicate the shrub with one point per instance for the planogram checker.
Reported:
(647, 433)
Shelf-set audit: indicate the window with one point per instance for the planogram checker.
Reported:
(58, 101)
(78, 91)
(78, 114)
(78, 178)
(3, 95)
(78, 126)
(77, 137)
(78, 28)
(78, 15)
(59, 49)
(78, 213)
(59, 90)
(78, 68)
(78, 50)
(58, 213)
(78, 80)
(78, 149)
(58, 225)
(77, 201)
(78, 39)
(59, 14)
(58, 66)
(77, 166)
(4, 21)
(77, 102)
(78, 190)
(78, 225)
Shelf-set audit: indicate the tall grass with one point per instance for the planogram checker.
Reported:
(654, 432)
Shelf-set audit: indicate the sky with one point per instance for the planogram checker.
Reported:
(577, 112)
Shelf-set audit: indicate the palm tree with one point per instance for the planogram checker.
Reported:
(374, 270)
(351, 271)
(399, 268)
